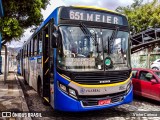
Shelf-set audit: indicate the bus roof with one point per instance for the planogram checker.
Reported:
(94, 8)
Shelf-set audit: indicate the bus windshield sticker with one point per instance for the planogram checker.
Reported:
(80, 62)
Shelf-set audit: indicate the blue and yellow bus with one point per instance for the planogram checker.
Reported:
(79, 59)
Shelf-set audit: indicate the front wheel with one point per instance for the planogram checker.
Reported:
(40, 89)
(155, 68)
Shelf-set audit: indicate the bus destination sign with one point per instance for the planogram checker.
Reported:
(94, 16)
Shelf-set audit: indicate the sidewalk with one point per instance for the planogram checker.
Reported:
(11, 96)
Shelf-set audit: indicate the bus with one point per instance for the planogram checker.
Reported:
(79, 59)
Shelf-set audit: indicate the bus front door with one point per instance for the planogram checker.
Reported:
(48, 63)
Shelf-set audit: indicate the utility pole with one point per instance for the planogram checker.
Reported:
(5, 66)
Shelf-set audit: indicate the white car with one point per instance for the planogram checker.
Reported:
(156, 65)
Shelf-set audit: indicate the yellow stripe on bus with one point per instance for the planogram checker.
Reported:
(46, 60)
(95, 8)
(104, 85)
(65, 77)
(46, 72)
(46, 99)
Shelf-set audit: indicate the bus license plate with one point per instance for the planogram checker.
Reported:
(104, 102)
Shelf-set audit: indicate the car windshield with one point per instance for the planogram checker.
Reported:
(157, 73)
(92, 49)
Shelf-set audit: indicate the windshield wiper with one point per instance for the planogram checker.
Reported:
(112, 39)
(88, 33)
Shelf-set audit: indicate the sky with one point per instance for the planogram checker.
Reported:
(109, 4)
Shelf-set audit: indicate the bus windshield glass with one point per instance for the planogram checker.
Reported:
(87, 49)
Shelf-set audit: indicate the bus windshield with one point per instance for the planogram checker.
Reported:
(86, 49)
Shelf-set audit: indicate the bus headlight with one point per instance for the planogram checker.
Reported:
(71, 92)
(63, 87)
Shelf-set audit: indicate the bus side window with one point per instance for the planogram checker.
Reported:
(28, 49)
(24, 51)
(32, 46)
(40, 43)
(35, 45)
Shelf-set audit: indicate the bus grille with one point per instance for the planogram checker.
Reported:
(98, 78)
(93, 100)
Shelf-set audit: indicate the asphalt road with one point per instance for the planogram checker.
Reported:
(140, 107)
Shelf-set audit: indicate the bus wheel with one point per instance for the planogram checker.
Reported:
(40, 89)
(25, 81)
(40, 92)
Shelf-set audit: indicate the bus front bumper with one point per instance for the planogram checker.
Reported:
(63, 102)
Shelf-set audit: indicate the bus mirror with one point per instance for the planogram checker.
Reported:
(54, 39)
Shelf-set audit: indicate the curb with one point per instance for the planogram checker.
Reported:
(24, 103)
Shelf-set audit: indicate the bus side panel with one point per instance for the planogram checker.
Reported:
(19, 67)
(34, 72)
(22, 66)
(26, 70)
(34, 80)
(23, 70)
(25, 62)
(39, 71)
(31, 62)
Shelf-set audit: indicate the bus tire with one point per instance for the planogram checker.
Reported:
(40, 90)
(25, 82)
(40, 93)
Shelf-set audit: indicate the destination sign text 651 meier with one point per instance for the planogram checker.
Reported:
(92, 15)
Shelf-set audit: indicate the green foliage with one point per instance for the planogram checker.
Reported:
(19, 15)
(141, 16)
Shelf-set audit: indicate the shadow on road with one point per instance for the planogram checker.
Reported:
(146, 100)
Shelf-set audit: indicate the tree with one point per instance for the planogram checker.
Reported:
(19, 15)
(141, 16)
